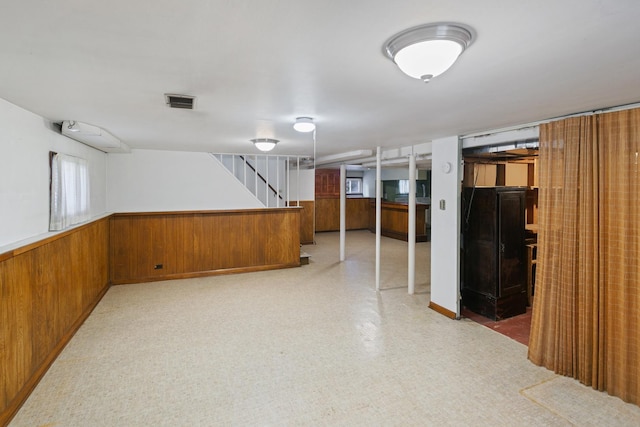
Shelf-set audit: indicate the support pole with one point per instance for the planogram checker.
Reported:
(314, 187)
(378, 213)
(343, 210)
(411, 232)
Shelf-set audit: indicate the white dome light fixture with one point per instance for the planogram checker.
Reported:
(265, 144)
(304, 124)
(426, 51)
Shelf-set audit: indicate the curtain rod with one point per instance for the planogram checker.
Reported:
(567, 116)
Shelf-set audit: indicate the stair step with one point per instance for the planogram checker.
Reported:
(304, 258)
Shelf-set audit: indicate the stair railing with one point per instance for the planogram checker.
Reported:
(259, 177)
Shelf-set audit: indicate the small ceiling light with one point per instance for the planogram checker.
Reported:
(72, 126)
(265, 144)
(426, 51)
(304, 124)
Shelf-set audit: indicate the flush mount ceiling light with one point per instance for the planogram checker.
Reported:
(304, 124)
(426, 51)
(265, 144)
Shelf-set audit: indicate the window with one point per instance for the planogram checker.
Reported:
(403, 186)
(69, 191)
(354, 186)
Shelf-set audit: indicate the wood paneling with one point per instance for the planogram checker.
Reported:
(47, 289)
(327, 183)
(306, 221)
(394, 221)
(357, 213)
(328, 214)
(190, 244)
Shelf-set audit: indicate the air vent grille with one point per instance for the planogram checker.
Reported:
(180, 101)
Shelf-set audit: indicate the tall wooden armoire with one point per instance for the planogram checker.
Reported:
(494, 253)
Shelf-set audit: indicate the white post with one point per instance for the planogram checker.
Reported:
(343, 209)
(298, 186)
(266, 178)
(378, 213)
(277, 181)
(288, 181)
(411, 232)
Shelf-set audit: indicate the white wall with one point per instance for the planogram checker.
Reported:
(152, 180)
(26, 140)
(302, 185)
(369, 183)
(445, 224)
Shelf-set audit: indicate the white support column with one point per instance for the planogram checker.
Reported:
(266, 179)
(288, 171)
(298, 180)
(277, 181)
(343, 210)
(411, 232)
(378, 213)
(445, 226)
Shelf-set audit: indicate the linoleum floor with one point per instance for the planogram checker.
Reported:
(308, 346)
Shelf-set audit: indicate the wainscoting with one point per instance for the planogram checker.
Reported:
(395, 220)
(306, 221)
(171, 245)
(328, 214)
(47, 289)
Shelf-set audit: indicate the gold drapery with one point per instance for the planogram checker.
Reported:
(586, 309)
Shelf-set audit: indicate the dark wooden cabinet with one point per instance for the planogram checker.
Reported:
(494, 252)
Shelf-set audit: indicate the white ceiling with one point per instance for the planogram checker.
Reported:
(256, 65)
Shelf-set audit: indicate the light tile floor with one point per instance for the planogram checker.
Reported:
(315, 345)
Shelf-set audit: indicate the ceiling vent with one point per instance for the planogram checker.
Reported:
(180, 101)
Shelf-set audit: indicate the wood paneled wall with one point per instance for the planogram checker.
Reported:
(306, 221)
(47, 289)
(327, 183)
(169, 245)
(394, 220)
(328, 214)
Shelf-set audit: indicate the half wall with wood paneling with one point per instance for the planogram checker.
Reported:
(328, 214)
(170, 245)
(306, 221)
(47, 289)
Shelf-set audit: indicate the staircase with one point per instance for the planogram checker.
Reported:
(267, 177)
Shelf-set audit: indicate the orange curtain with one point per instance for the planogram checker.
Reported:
(585, 314)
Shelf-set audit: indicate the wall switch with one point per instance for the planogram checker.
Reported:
(442, 204)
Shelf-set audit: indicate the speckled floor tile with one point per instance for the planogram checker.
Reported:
(308, 346)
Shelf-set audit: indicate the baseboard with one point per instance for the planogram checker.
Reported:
(445, 312)
(194, 274)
